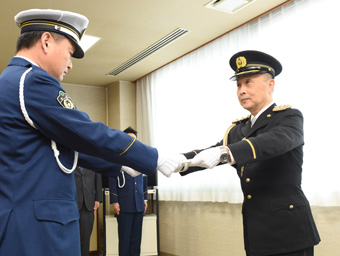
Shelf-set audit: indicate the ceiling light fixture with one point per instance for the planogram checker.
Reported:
(88, 41)
(229, 6)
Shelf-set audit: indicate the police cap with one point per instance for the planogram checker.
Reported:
(71, 25)
(253, 62)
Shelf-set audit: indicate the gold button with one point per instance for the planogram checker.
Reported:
(249, 196)
(247, 180)
(291, 206)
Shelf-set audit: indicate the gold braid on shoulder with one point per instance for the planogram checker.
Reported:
(234, 123)
(225, 138)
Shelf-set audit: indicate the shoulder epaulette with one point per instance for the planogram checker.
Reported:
(281, 108)
(240, 120)
(234, 123)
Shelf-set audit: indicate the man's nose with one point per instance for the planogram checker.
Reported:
(69, 66)
(241, 89)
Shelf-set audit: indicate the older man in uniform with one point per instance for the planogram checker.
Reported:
(266, 150)
(41, 133)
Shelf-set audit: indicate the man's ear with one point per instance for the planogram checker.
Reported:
(271, 85)
(45, 41)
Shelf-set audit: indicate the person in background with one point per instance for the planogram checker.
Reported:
(266, 149)
(129, 197)
(43, 138)
(89, 196)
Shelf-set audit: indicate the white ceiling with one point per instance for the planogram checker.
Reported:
(128, 27)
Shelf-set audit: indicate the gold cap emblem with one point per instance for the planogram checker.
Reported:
(241, 62)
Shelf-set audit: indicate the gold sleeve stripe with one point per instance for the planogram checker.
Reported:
(252, 147)
(114, 194)
(225, 138)
(128, 147)
(195, 152)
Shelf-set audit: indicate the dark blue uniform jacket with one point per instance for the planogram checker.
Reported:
(38, 213)
(132, 195)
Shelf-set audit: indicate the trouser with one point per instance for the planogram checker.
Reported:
(85, 226)
(130, 233)
(304, 252)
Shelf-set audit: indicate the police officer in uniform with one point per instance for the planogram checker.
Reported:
(43, 137)
(266, 149)
(129, 197)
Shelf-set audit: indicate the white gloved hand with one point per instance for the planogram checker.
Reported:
(130, 171)
(207, 158)
(168, 165)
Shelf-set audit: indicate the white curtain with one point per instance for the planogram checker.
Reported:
(189, 103)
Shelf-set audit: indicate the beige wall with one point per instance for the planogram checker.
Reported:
(89, 99)
(114, 105)
(204, 228)
(200, 229)
(122, 105)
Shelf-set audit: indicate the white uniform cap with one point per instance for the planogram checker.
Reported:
(70, 24)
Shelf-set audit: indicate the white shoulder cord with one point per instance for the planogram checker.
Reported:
(28, 119)
(120, 186)
(62, 167)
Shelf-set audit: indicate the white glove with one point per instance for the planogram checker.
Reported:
(130, 171)
(208, 158)
(170, 164)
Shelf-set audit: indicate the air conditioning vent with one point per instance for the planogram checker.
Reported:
(150, 50)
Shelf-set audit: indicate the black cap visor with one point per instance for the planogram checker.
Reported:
(252, 70)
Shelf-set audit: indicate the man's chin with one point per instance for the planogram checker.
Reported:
(246, 106)
(60, 79)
